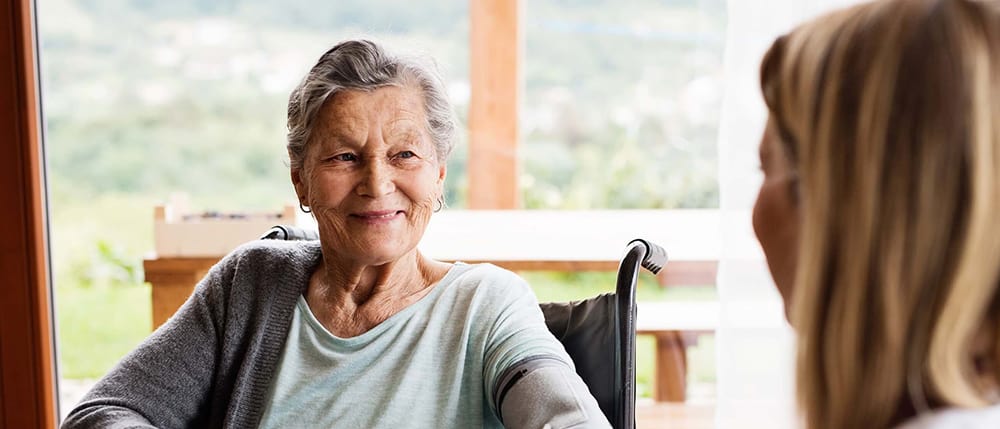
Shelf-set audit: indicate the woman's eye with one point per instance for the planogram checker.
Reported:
(406, 154)
(348, 157)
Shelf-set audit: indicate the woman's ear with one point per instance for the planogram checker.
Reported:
(301, 189)
(442, 173)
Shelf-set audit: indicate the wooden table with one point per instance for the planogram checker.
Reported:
(526, 240)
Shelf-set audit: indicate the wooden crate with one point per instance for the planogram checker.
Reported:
(205, 235)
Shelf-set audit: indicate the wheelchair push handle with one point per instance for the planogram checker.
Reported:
(655, 256)
(289, 232)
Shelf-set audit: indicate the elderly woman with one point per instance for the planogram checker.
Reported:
(878, 211)
(358, 329)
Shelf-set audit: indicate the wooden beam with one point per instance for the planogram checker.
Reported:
(27, 365)
(495, 80)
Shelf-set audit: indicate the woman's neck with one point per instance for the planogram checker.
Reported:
(349, 297)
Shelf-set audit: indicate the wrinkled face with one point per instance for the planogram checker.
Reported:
(370, 174)
(776, 214)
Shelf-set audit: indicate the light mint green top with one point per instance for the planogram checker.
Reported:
(433, 364)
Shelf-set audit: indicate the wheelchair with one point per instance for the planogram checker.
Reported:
(598, 333)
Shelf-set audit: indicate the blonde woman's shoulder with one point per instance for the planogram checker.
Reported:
(957, 418)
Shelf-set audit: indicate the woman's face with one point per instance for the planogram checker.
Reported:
(371, 175)
(776, 214)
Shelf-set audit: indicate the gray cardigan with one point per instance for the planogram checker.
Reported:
(211, 364)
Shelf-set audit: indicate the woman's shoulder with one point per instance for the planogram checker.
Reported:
(266, 262)
(485, 274)
(486, 282)
(965, 418)
(263, 251)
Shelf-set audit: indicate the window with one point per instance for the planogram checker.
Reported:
(622, 104)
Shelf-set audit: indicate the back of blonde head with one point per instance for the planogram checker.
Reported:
(890, 114)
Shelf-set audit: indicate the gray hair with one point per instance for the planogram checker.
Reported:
(364, 65)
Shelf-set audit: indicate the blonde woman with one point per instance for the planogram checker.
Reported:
(880, 211)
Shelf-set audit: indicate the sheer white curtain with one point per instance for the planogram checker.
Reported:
(754, 352)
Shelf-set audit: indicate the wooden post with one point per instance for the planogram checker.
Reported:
(27, 358)
(671, 367)
(495, 79)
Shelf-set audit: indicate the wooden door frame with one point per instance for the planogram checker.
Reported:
(27, 351)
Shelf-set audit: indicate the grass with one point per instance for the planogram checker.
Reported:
(98, 325)
(102, 308)
(559, 286)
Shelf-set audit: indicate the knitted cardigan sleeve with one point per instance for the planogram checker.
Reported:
(167, 380)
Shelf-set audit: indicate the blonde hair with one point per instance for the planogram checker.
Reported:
(889, 113)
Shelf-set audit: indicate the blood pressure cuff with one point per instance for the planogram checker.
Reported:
(543, 391)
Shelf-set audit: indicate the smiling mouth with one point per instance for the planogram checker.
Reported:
(377, 215)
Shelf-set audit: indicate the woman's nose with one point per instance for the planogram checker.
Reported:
(377, 179)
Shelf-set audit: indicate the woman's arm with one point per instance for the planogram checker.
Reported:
(548, 393)
(531, 379)
(166, 380)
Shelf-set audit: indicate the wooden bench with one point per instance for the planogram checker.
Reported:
(521, 240)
